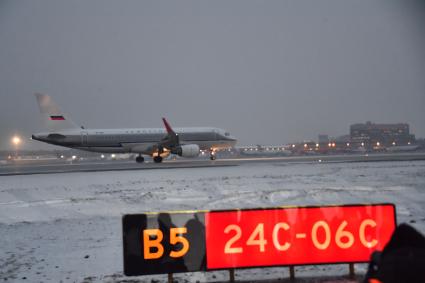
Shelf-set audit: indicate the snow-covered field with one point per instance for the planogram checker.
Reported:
(67, 227)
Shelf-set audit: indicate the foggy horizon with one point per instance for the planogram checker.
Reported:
(270, 73)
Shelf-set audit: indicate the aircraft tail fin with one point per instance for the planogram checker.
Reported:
(53, 117)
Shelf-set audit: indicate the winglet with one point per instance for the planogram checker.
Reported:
(167, 126)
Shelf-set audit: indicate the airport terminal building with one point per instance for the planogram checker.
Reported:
(371, 134)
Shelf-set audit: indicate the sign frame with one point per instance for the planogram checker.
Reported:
(203, 214)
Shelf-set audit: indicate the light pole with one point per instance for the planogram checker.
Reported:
(16, 140)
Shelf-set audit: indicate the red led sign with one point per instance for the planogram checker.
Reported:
(296, 236)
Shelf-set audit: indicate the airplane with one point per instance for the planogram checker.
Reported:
(158, 143)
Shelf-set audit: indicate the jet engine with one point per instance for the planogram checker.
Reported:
(187, 150)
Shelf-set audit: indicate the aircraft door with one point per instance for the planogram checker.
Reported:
(84, 137)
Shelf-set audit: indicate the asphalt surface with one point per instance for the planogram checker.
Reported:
(28, 167)
(95, 166)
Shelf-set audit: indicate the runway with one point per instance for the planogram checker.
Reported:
(29, 167)
(95, 166)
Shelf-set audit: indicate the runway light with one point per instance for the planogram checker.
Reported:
(305, 145)
(62, 156)
(348, 144)
(16, 140)
(408, 143)
(329, 144)
(293, 145)
(113, 155)
(74, 157)
(317, 145)
(378, 143)
(102, 156)
(362, 143)
(393, 143)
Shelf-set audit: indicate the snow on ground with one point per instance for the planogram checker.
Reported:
(67, 227)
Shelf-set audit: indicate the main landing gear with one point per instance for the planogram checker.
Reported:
(140, 159)
(157, 159)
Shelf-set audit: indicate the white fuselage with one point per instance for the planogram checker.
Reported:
(142, 141)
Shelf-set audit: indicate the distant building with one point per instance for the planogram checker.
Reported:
(381, 135)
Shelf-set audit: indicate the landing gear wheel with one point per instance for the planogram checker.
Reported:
(157, 159)
(140, 159)
(212, 157)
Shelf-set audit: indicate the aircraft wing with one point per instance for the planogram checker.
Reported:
(171, 140)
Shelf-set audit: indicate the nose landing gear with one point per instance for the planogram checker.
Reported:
(212, 154)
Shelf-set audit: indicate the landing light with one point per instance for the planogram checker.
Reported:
(74, 157)
(102, 156)
(113, 155)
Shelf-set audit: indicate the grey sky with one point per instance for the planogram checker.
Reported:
(270, 72)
